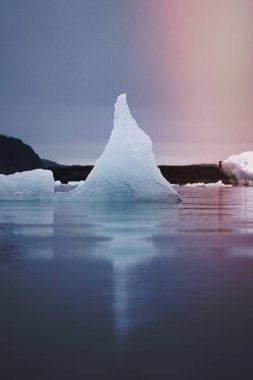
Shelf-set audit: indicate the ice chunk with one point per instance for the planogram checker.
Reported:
(30, 185)
(126, 170)
(240, 168)
(65, 187)
(217, 184)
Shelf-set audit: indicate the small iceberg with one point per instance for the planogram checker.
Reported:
(217, 184)
(126, 170)
(35, 184)
(240, 168)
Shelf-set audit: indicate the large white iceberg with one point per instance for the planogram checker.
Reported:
(126, 170)
(35, 184)
(240, 168)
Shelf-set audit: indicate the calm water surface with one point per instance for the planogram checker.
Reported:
(128, 291)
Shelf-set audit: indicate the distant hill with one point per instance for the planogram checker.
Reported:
(48, 164)
(71, 173)
(206, 173)
(16, 156)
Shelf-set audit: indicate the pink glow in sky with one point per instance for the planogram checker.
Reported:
(204, 51)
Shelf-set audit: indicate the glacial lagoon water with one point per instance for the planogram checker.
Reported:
(128, 291)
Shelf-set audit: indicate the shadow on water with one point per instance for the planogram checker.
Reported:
(128, 291)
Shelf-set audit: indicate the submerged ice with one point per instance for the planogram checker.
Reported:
(126, 170)
(240, 168)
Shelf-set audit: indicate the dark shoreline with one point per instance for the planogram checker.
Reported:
(206, 173)
(16, 156)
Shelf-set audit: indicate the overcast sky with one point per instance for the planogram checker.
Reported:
(186, 66)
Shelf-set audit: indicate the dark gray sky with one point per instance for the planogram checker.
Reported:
(63, 63)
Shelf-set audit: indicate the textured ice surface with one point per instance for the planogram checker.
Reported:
(240, 167)
(126, 170)
(30, 185)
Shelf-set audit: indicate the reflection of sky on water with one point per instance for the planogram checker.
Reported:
(209, 223)
(217, 221)
(162, 283)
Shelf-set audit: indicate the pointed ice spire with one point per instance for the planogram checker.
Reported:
(126, 170)
(122, 115)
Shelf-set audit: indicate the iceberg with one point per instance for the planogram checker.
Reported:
(126, 170)
(35, 184)
(240, 168)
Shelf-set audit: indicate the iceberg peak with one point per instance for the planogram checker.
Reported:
(126, 170)
(122, 114)
(122, 98)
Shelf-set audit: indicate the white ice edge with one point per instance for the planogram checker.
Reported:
(240, 168)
